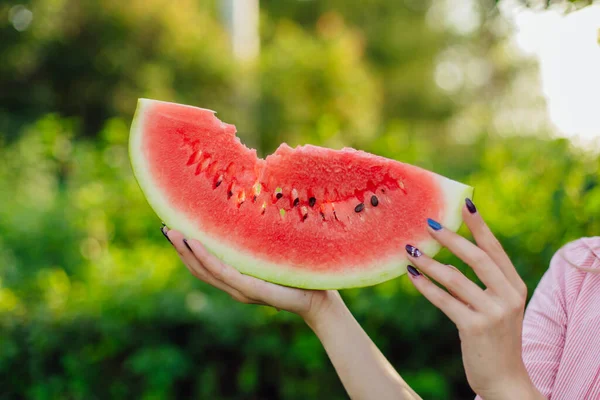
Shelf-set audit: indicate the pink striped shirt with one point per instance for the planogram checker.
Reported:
(561, 330)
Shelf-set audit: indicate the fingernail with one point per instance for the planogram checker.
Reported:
(434, 224)
(164, 233)
(413, 251)
(470, 206)
(187, 245)
(413, 271)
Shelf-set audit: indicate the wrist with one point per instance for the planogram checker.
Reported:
(520, 387)
(327, 311)
(526, 391)
(524, 387)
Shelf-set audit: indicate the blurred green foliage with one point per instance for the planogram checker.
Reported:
(94, 303)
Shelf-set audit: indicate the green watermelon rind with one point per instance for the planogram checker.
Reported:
(363, 275)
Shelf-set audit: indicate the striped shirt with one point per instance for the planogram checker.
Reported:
(561, 330)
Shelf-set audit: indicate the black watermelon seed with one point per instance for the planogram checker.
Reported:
(359, 207)
(296, 202)
(217, 184)
(312, 201)
(279, 195)
(304, 217)
(229, 194)
(374, 201)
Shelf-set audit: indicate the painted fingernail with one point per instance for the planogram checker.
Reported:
(162, 230)
(470, 206)
(413, 251)
(434, 224)
(413, 271)
(187, 245)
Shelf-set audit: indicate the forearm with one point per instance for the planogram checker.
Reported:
(520, 387)
(362, 368)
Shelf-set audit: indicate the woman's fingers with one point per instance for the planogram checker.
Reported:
(454, 309)
(209, 279)
(476, 258)
(199, 271)
(487, 242)
(248, 286)
(451, 278)
(208, 268)
(280, 297)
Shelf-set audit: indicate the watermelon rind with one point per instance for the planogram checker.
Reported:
(454, 194)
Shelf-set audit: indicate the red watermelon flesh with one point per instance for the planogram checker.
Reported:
(307, 217)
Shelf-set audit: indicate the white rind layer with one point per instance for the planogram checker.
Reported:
(364, 275)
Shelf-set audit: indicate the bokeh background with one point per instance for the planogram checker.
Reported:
(94, 304)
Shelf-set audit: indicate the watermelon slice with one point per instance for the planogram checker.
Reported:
(307, 217)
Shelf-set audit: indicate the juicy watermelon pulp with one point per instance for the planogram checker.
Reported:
(308, 217)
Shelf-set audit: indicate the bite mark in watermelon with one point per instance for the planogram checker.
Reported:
(308, 217)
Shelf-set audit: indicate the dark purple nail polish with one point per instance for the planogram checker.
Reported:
(436, 226)
(470, 206)
(165, 234)
(413, 251)
(413, 271)
(187, 245)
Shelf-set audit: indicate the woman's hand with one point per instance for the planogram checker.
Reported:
(490, 320)
(309, 304)
(363, 370)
